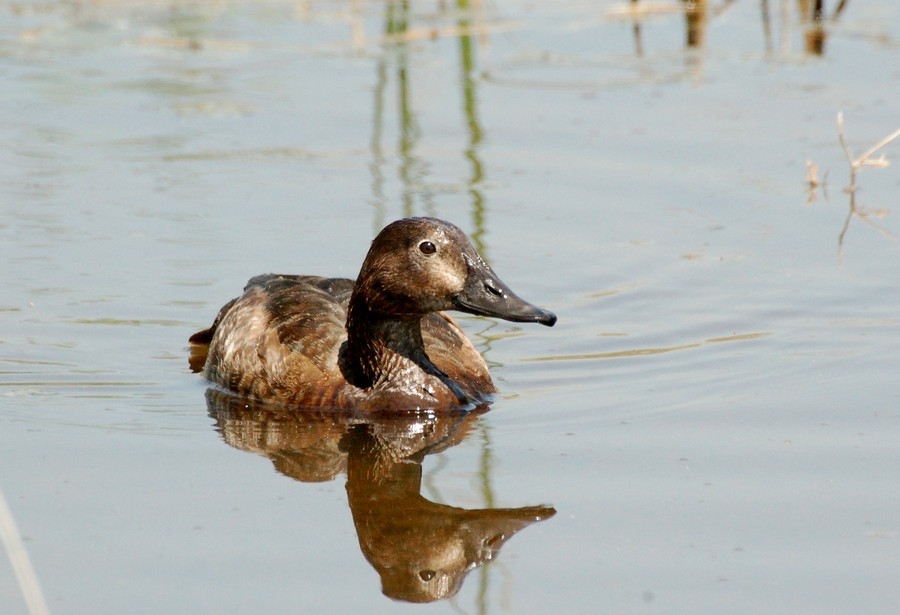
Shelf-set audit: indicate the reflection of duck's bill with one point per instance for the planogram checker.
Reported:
(485, 294)
(518, 517)
(493, 527)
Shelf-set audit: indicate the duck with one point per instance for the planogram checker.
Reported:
(379, 343)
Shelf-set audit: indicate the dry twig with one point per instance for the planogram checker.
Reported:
(864, 160)
(857, 163)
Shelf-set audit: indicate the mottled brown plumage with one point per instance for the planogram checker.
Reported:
(379, 343)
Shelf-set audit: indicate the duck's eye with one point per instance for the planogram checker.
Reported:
(426, 575)
(428, 248)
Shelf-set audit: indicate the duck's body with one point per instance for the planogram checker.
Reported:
(379, 343)
(282, 340)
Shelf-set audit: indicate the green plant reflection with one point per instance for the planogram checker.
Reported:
(393, 66)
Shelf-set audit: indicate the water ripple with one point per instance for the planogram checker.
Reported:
(640, 352)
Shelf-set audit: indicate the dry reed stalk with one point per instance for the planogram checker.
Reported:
(857, 163)
(21, 564)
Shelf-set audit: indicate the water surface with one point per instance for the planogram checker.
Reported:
(714, 420)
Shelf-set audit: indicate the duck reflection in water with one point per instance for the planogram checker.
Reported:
(422, 550)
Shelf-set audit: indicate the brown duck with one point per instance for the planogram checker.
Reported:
(380, 343)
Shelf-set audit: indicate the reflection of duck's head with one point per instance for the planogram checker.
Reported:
(420, 265)
(422, 550)
(437, 546)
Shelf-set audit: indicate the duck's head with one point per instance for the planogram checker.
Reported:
(421, 265)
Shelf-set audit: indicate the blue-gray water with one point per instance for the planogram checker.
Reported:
(715, 418)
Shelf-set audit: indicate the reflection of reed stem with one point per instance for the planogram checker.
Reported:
(636, 31)
(487, 493)
(395, 28)
(767, 26)
(839, 9)
(395, 63)
(377, 153)
(695, 23)
(398, 23)
(470, 109)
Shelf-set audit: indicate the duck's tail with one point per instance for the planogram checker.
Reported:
(201, 340)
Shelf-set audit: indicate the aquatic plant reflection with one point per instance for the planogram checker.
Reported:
(422, 550)
(856, 163)
(812, 13)
(395, 67)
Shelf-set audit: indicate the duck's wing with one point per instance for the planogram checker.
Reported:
(451, 351)
(281, 338)
(308, 313)
(201, 340)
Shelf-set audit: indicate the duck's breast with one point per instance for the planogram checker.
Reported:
(451, 351)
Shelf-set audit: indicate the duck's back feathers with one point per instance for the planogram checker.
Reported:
(307, 313)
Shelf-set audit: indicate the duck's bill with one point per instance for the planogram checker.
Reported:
(486, 295)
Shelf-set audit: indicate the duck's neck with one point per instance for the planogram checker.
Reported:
(388, 353)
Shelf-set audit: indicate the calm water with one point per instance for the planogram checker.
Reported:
(715, 420)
